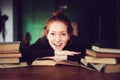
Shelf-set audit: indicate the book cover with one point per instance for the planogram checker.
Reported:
(53, 61)
(109, 50)
(13, 65)
(102, 54)
(9, 46)
(91, 59)
(9, 60)
(104, 68)
(111, 68)
(86, 65)
(10, 54)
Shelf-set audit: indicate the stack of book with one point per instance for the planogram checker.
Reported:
(106, 60)
(9, 54)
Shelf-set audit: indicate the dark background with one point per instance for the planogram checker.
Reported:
(96, 19)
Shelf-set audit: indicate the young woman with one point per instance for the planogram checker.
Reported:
(58, 39)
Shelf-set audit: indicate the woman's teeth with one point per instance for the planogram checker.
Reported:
(57, 44)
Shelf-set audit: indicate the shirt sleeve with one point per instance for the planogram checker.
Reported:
(75, 45)
(37, 50)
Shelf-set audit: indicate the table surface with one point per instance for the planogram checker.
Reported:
(55, 73)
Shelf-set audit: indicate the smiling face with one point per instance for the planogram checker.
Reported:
(58, 35)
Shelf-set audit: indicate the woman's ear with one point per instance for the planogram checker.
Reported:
(44, 28)
(69, 37)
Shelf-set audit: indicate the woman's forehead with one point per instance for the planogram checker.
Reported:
(58, 25)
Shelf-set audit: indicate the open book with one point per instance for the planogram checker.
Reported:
(54, 61)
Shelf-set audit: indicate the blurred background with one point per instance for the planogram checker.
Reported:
(92, 20)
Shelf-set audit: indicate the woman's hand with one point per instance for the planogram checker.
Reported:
(66, 53)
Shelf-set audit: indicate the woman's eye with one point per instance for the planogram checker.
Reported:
(63, 34)
(52, 33)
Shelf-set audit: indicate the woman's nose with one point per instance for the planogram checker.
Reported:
(57, 38)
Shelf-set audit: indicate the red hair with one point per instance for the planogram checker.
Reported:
(58, 16)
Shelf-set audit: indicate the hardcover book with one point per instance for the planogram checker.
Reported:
(13, 65)
(102, 54)
(10, 54)
(9, 60)
(111, 68)
(109, 50)
(104, 68)
(91, 59)
(9, 46)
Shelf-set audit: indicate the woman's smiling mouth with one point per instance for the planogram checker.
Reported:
(58, 45)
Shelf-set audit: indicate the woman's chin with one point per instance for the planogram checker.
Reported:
(58, 49)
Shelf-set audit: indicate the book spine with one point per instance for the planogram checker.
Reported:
(111, 68)
(10, 55)
(91, 59)
(9, 46)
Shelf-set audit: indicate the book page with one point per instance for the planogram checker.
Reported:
(53, 61)
(68, 63)
(48, 61)
(44, 62)
(56, 58)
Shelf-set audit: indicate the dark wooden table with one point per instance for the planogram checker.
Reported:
(55, 73)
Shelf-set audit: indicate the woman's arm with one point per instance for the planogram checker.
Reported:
(39, 49)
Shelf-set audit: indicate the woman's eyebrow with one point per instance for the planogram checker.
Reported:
(64, 31)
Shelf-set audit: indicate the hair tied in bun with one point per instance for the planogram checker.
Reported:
(58, 13)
